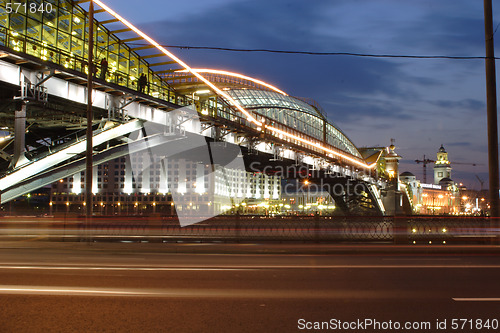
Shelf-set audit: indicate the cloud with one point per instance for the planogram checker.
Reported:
(291, 25)
(467, 104)
(406, 162)
(350, 109)
(458, 144)
(376, 99)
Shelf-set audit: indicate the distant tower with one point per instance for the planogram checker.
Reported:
(442, 167)
(392, 199)
(392, 163)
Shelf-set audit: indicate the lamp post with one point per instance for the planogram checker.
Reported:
(90, 68)
(464, 198)
(440, 197)
(88, 155)
(425, 195)
(491, 106)
(306, 183)
(433, 206)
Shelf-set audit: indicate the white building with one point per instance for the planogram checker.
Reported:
(137, 184)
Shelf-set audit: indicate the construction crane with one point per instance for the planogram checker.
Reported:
(425, 161)
(480, 182)
(473, 164)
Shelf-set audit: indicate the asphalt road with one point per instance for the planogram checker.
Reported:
(115, 289)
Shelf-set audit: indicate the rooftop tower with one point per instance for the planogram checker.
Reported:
(442, 167)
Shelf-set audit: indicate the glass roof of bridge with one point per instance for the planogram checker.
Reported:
(260, 98)
(295, 114)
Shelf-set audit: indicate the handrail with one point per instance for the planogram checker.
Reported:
(180, 77)
(225, 113)
(24, 44)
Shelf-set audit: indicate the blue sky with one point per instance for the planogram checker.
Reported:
(420, 103)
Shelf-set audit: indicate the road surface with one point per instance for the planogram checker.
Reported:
(128, 289)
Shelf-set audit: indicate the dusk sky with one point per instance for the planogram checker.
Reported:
(421, 103)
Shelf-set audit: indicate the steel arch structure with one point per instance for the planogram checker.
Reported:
(40, 48)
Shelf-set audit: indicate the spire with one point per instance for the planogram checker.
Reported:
(442, 167)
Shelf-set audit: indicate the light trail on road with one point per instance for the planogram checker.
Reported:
(477, 299)
(243, 267)
(204, 293)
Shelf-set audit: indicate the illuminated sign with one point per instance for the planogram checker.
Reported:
(437, 187)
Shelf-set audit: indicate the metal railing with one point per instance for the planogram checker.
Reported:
(442, 230)
(333, 229)
(36, 48)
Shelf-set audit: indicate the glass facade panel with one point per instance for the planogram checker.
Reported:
(34, 29)
(63, 41)
(77, 46)
(50, 16)
(64, 20)
(36, 14)
(123, 59)
(112, 62)
(102, 44)
(133, 66)
(4, 17)
(49, 34)
(78, 24)
(18, 23)
(114, 44)
(65, 4)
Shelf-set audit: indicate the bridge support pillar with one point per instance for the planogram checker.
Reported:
(19, 135)
(400, 230)
(392, 202)
(392, 199)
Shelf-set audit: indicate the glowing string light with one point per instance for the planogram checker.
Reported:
(317, 145)
(241, 76)
(250, 117)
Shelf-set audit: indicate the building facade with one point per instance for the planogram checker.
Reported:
(441, 197)
(442, 167)
(135, 185)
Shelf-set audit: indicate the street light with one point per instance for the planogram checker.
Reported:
(440, 197)
(306, 182)
(433, 207)
(425, 195)
(491, 109)
(465, 198)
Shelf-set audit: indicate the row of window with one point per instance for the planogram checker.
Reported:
(118, 198)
